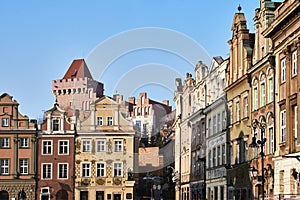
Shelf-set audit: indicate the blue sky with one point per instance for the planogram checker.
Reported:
(39, 40)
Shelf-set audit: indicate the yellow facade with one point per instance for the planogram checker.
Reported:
(105, 153)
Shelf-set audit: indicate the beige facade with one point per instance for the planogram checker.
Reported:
(105, 153)
(238, 101)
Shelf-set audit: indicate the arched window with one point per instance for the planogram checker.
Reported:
(22, 195)
(62, 195)
(4, 195)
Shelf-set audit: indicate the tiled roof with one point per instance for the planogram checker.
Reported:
(78, 69)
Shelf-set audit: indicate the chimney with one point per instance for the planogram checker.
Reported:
(166, 102)
(131, 100)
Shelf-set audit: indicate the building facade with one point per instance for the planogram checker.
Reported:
(283, 30)
(105, 153)
(238, 102)
(147, 115)
(17, 152)
(217, 135)
(262, 109)
(56, 158)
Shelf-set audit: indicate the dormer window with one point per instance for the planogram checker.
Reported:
(4, 122)
(55, 124)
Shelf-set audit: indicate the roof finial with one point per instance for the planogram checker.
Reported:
(239, 8)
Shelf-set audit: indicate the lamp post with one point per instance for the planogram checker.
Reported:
(260, 143)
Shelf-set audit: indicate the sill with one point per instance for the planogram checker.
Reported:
(282, 82)
(245, 118)
(294, 75)
(282, 144)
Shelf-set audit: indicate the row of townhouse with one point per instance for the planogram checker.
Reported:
(237, 128)
(85, 147)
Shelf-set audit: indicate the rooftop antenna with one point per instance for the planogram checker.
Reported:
(239, 8)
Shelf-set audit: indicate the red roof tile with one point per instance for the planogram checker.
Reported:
(78, 69)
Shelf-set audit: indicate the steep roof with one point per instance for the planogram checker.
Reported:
(78, 69)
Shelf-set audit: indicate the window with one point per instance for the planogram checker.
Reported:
(282, 125)
(4, 166)
(24, 142)
(237, 110)
(255, 98)
(63, 170)
(214, 157)
(4, 122)
(46, 171)
(118, 169)
(23, 166)
(271, 140)
(230, 113)
(223, 120)
(223, 154)
(63, 147)
(5, 143)
(118, 145)
(219, 155)
(86, 146)
(219, 122)
(86, 170)
(109, 121)
(214, 125)
(47, 147)
(100, 145)
(262, 94)
(55, 124)
(283, 70)
(209, 127)
(295, 124)
(246, 107)
(238, 146)
(209, 158)
(100, 169)
(270, 90)
(99, 121)
(294, 63)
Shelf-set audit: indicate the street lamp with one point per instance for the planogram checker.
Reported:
(260, 143)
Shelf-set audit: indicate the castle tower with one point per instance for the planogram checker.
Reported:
(77, 89)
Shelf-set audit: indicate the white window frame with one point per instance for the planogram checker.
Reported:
(24, 142)
(295, 128)
(24, 165)
(209, 127)
(98, 173)
(5, 142)
(63, 146)
(283, 70)
(101, 145)
(99, 121)
(246, 106)
(223, 154)
(118, 146)
(4, 166)
(219, 122)
(55, 124)
(271, 139)
(64, 172)
(86, 168)
(50, 172)
(294, 63)
(255, 98)
(214, 125)
(237, 111)
(86, 145)
(262, 94)
(110, 121)
(118, 167)
(51, 147)
(5, 122)
(270, 89)
(282, 126)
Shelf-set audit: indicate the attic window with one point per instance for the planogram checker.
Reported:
(74, 73)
